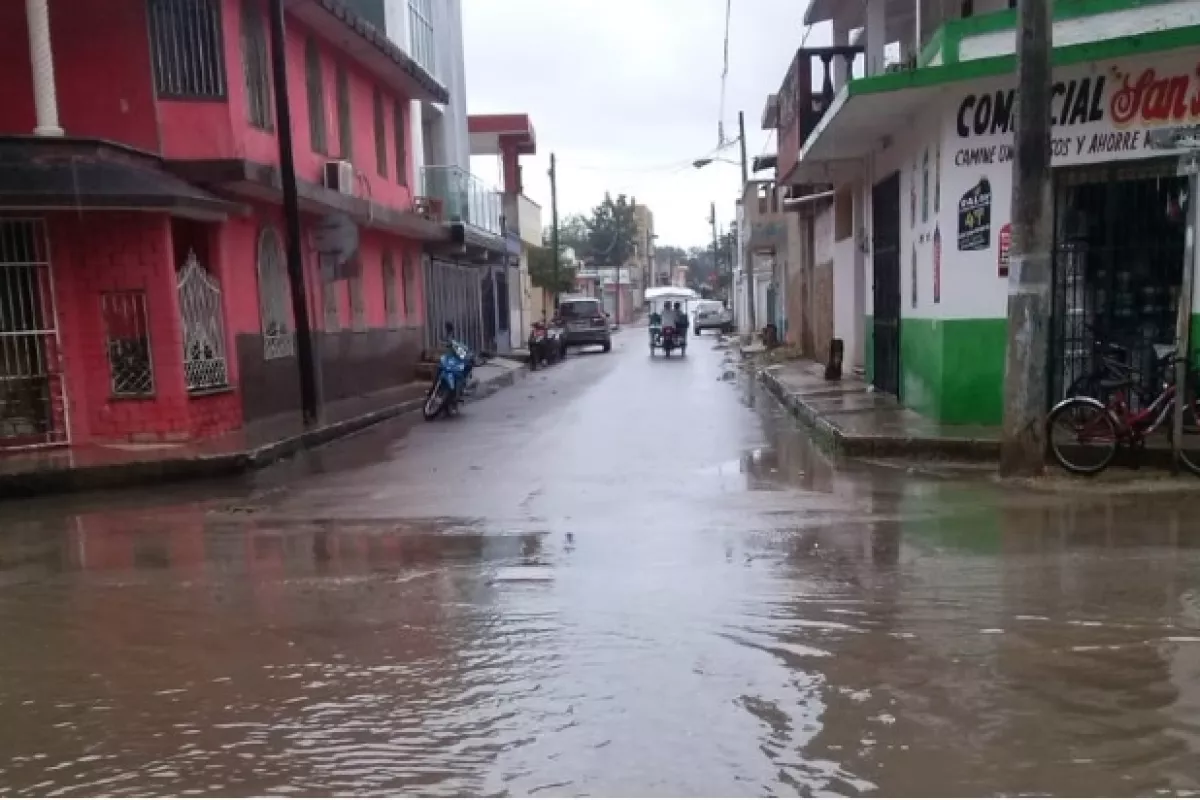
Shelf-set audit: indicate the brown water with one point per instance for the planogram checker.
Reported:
(473, 608)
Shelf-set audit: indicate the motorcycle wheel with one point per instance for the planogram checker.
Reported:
(435, 401)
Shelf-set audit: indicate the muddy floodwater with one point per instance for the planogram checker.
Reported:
(622, 576)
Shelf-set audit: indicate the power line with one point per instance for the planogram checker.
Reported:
(673, 166)
(724, 75)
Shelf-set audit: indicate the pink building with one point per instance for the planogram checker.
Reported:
(144, 293)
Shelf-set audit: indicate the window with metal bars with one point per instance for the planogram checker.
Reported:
(399, 129)
(315, 82)
(329, 296)
(410, 285)
(358, 303)
(345, 140)
(187, 49)
(381, 148)
(391, 305)
(127, 342)
(420, 23)
(273, 297)
(256, 65)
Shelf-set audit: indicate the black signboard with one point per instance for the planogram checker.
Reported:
(975, 217)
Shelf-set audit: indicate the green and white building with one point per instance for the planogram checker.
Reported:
(918, 155)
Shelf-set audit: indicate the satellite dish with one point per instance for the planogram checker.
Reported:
(336, 239)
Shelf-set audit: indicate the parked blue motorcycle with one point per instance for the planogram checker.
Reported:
(451, 381)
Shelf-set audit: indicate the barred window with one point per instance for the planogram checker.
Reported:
(315, 82)
(345, 140)
(420, 23)
(273, 297)
(410, 286)
(329, 296)
(381, 148)
(358, 305)
(127, 342)
(401, 147)
(391, 304)
(256, 64)
(187, 49)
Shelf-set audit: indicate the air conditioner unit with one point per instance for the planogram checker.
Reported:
(339, 176)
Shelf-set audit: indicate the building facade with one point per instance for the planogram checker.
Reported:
(919, 158)
(144, 286)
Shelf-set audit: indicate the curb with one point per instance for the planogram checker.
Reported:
(63, 480)
(829, 437)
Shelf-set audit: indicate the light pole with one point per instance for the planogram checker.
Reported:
(700, 163)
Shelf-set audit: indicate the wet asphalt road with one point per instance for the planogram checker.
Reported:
(621, 576)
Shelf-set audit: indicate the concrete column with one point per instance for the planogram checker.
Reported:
(875, 35)
(41, 56)
(841, 38)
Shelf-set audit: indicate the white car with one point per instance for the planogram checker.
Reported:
(712, 315)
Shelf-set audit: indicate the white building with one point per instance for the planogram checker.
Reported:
(918, 158)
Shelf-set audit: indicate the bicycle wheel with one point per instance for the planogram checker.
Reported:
(1083, 436)
(1189, 448)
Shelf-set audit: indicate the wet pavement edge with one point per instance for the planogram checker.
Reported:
(133, 474)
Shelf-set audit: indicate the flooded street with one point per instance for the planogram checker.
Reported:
(622, 576)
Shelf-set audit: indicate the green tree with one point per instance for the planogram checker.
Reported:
(611, 231)
(572, 233)
(541, 271)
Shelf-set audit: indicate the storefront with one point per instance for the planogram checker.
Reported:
(935, 177)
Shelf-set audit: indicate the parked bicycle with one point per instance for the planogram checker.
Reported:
(1085, 433)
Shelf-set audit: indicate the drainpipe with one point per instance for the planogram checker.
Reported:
(41, 58)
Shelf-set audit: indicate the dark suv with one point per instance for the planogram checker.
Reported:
(584, 322)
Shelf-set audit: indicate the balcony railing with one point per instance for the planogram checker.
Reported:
(464, 197)
(800, 106)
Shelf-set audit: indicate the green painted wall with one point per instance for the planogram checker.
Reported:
(973, 370)
(952, 370)
(1194, 344)
(921, 362)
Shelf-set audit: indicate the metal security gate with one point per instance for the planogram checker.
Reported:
(33, 409)
(885, 266)
(1118, 264)
(452, 295)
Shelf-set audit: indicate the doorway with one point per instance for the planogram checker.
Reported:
(885, 265)
(1118, 264)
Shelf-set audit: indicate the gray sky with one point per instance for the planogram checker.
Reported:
(625, 91)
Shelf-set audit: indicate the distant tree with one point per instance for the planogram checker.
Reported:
(611, 231)
(541, 271)
(572, 233)
(666, 256)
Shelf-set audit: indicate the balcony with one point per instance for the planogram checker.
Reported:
(800, 106)
(525, 217)
(464, 198)
(763, 217)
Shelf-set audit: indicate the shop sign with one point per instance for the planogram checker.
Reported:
(975, 217)
(1005, 239)
(1102, 116)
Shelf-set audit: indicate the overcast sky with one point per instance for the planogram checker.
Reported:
(626, 93)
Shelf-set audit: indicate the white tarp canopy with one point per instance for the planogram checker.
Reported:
(671, 293)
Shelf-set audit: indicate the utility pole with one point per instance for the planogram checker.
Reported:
(1023, 438)
(747, 263)
(306, 356)
(712, 218)
(554, 226)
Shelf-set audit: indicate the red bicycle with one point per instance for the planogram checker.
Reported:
(1085, 433)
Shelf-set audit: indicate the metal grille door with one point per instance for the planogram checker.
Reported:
(1118, 265)
(885, 264)
(33, 409)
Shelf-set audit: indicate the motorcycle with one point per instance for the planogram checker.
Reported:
(545, 344)
(668, 338)
(451, 382)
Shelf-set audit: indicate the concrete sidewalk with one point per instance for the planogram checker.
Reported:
(847, 417)
(260, 444)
